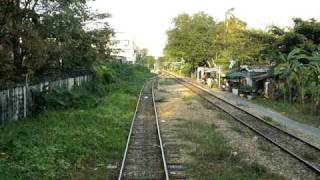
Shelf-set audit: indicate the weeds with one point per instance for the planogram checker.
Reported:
(296, 112)
(167, 82)
(78, 133)
(214, 159)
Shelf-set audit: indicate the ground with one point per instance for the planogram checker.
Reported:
(210, 145)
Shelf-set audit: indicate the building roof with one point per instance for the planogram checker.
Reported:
(256, 68)
(235, 74)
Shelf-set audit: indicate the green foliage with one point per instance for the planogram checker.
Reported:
(190, 38)
(40, 35)
(300, 72)
(302, 114)
(245, 89)
(144, 59)
(79, 139)
(199, 38)
(186, 69)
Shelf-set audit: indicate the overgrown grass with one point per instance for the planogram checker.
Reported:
(294, 111)
(79, 140)
(213, 158)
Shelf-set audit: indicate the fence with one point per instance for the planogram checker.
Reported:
(17, 102)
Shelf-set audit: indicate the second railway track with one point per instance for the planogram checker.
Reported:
(298, 148)
(144, 156)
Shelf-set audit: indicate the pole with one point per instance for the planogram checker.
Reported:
(219, 76)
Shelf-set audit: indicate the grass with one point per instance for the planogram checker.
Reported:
(213, 158)
(293, 111)
(160, 99)
(78, 142)
(271, 121)
(167, 82)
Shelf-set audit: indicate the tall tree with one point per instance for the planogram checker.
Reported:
(191, 38)
(37, 35)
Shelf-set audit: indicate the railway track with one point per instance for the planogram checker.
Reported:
(296, 147)
(144, 155)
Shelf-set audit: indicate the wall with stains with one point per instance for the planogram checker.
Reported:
(17, 102)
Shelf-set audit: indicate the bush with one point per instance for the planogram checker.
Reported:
(107, 77)
(186, 70)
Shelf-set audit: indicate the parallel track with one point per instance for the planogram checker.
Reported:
(296, 147)
(144, 155)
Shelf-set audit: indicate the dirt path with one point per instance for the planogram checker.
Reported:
(204, 143)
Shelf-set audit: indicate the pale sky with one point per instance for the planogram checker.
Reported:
(148, 20)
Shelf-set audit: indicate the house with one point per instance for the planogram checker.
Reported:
(251, 77)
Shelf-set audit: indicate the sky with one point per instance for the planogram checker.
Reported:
(148, 20)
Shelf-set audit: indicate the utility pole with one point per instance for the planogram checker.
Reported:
(219, 76)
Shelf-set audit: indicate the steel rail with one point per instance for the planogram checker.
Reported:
(158, 132)
(306, 162)
(160, 139)
(129, 136)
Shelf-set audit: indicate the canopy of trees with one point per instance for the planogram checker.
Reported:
(199, 38)
(41, 35)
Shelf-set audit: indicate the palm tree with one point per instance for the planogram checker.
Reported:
(288, 64)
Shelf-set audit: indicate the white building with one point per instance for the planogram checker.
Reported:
(125, 48)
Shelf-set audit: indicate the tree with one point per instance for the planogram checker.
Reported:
(199, 38)
(191, 38)
(144, 59)
(38, 35)
(141, 54)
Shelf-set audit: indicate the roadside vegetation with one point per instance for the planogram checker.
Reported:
(293, 55)
(80, 134)
(293, 111)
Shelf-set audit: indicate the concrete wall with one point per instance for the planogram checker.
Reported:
(17, 102)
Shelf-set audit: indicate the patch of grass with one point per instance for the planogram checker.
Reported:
(268, 119)
(187, 98)
(77, 142)
(294, 111)
(160, 99)
(264, 146)
(223, 115)
(167, 82)
(214, 159)
(271, 121)
(310, 156)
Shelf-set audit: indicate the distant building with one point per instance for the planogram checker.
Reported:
(125, 49)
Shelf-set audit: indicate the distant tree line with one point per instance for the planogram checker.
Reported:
(38, 36)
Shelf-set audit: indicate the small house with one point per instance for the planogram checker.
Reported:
(251, 77)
